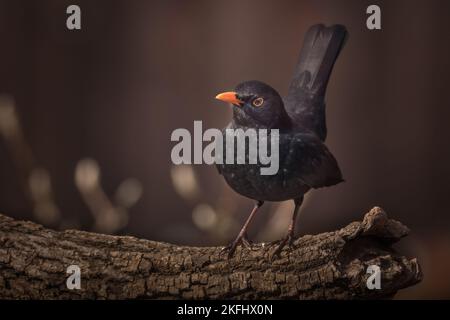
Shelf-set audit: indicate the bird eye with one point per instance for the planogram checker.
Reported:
(258, 102)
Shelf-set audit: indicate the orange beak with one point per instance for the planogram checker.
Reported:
(230, 97)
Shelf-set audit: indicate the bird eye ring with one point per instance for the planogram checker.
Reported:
(258, 102)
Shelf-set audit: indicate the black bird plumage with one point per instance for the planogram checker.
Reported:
(304, 160)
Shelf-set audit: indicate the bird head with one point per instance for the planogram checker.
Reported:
(256, 105)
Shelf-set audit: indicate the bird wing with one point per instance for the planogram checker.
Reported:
(311, 161)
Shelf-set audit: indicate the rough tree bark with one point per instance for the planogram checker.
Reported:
(34, 260)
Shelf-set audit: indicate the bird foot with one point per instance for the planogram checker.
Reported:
(240, 240)
(286, 241)
(246, 242)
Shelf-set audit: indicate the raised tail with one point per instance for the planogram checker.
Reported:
(305, 100)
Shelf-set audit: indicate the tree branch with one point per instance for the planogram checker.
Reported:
(34, 260)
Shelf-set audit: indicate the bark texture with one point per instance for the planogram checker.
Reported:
(34, 260)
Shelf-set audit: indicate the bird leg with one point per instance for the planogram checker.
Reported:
(242, 236)
(246, 242)
(289, 238)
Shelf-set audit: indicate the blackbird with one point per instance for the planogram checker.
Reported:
(304, 160)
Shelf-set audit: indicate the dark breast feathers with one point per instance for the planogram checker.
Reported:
(304, 163)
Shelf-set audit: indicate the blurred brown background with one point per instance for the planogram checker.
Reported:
(86, 117)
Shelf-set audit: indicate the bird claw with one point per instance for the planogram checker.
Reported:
(231, 248)
(286, 241)
(246, 242)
